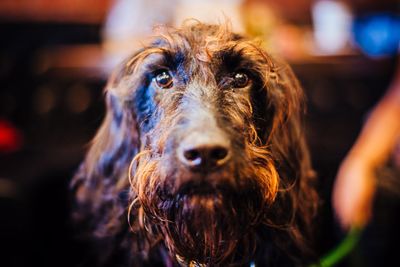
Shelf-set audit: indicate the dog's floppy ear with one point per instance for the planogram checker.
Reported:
(287, 130)
(101, 184)
(297, 199)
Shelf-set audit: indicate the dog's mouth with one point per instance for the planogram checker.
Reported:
(202, 197)
(205, 190)
(201, 189)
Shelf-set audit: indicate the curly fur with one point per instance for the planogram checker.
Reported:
(139, 207)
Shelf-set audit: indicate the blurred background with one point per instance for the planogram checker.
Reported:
(55, 57)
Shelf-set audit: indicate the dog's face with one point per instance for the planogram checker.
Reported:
(209, 121)
(204, 174)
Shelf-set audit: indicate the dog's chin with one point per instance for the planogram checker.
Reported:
(205, 224)
(202, 207)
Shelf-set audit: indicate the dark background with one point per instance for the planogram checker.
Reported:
(52, 138)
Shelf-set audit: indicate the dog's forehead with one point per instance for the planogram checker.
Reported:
(206, 43)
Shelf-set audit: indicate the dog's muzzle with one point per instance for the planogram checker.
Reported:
(203, 146)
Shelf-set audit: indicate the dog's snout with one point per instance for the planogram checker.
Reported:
(202, 152)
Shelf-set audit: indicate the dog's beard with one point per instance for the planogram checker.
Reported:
(210, 223)
(208, 227)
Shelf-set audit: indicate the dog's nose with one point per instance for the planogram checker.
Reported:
(207, 156)
(204, 155)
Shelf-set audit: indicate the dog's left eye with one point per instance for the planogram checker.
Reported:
(240, 80)
(163, 79)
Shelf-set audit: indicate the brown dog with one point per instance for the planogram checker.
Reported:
(202, 151)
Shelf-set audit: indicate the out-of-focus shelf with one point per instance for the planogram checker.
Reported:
(346, 65)
(85, 61)
(71, 11)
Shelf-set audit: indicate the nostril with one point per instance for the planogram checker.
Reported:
(191, 154)
(218, 153)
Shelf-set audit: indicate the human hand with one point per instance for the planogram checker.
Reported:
(353, 192)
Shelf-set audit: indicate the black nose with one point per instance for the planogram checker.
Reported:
(204, 156)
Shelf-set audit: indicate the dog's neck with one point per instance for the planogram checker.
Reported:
(188, 263)
(191, 263)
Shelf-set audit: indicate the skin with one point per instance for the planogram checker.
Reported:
(355, 183)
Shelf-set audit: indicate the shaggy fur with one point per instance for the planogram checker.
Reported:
(140, 206)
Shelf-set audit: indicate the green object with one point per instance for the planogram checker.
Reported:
(342, 250)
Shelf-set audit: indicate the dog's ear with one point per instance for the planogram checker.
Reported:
(286, 134)
(297, 200)
(101, 184)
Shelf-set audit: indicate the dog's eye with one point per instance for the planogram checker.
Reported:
(240, 80)
(164, 79)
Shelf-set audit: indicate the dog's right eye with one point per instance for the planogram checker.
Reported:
(163, 79)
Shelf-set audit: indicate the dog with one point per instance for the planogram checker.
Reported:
(201, 159)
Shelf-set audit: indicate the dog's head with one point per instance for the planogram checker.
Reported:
(204, 128)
